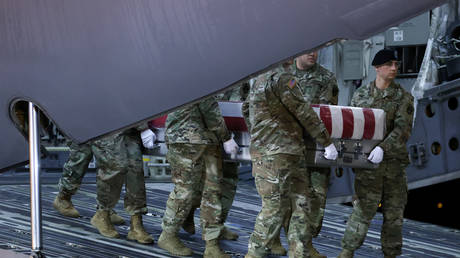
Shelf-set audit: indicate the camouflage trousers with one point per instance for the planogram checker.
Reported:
(75, 168)
(282, 184)
(318, 184)
(388, 185)
(228, 186)
(196, 168)
(119, 161)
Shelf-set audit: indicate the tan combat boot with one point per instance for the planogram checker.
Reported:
(64, 206)
(249, 256)
(346, 254)
(227, 234)
(137, 231)
(189, 223)
(313, 252)
(171, 243)
(277, 247)
(116, 219)
(213, 250)
(101, 221)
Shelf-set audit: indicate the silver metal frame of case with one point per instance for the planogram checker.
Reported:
(352, 154)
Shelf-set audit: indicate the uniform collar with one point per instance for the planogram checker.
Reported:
(390, 91)
(304, 72)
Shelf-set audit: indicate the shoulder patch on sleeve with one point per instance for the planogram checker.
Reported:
(292, 83)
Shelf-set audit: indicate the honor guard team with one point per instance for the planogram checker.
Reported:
(282, 124)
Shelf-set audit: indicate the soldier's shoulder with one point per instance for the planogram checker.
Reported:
(403, 93)
(324, 72)
(271, 77)
(285, 81)
(362, 93)
(281, 77)
(363, 90)
(408, 96)
(263, 77)
(406, 99)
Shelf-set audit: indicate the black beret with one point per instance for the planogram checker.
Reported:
(384, 56)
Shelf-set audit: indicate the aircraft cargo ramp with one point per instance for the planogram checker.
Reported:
(69, 237)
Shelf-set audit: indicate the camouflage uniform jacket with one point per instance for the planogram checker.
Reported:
(318, 84)
(278, 114)
(399, 109)
(200, 123)
(245, 92)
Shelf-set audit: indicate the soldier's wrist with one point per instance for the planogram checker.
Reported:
(227, 137)
(327, 142)
(383, 146)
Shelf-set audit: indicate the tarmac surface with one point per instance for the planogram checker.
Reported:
(70, 237)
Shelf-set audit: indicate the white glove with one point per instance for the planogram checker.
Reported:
(148, 138)
(231, 147)
(330, 152)
(376, 155)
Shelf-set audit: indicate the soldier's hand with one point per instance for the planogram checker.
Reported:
(330, 152)
(148, 138)
(376, 155)
(231, 147)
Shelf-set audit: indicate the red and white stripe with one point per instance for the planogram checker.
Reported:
(341, 122)
(352, 122)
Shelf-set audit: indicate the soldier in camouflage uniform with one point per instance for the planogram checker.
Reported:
(119, 161)
(318, 86)
(194, 134)
(237, 93)
(73, 172)
(387, 184)
(278, 114)
(276, 248)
